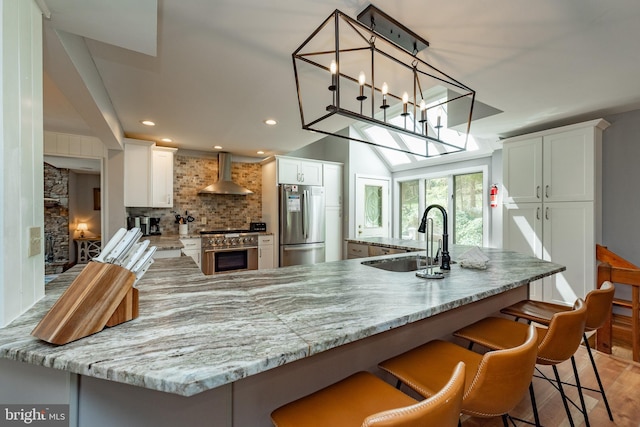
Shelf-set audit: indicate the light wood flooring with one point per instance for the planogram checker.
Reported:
(621, 379)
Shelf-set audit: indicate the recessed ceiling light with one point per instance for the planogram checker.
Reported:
(166, 140)
(260, 152)
(270, 122)
(148, 123)
(218, 147)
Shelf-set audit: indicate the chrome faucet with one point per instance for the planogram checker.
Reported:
(446, 259)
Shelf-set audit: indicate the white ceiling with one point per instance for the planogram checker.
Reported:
(208, 72)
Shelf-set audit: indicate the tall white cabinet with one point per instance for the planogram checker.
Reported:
(552, 204)
(332, 176)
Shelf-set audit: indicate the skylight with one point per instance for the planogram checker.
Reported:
(436, 114)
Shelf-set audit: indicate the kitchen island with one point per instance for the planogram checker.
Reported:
(225, 350)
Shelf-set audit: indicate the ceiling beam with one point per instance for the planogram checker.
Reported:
(70, 65)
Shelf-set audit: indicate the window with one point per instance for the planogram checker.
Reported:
(409, 209)
(461, 194)
(468, 205)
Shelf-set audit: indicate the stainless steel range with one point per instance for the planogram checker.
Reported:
(224, 251)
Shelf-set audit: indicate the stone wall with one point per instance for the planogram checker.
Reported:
(221, 211)
(56, 217)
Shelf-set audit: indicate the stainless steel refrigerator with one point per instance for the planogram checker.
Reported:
(301, 224)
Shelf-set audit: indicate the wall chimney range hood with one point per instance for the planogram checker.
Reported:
(225, 185)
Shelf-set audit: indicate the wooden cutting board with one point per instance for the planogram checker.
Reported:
(102, 295)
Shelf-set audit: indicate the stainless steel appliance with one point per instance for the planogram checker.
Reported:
(302, 221)
(224, 251)
(144, 225)
(154, 226)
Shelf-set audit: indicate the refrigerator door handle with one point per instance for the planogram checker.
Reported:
(305, 247)
(305, 214)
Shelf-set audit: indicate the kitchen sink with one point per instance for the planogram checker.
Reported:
(399, 264)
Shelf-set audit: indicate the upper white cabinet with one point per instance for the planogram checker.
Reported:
(162, 177)
(148, 174)
(555, 167)
(299, 171)
(137, 173)
(552, 204)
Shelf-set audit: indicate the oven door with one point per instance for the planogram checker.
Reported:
(216, 261)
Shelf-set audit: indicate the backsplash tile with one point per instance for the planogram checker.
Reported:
(191, 174)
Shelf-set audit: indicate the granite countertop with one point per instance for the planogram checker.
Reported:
(389, 242)
(165, 242)
(198, 332)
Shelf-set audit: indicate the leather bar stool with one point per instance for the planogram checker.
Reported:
(496, 381)
(599, 303)
(556, 343)
(364, 400)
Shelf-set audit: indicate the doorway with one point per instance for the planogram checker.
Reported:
(372, 207)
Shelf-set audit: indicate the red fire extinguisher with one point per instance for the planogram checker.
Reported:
(494, 196)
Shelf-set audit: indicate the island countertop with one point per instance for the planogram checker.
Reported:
(197, 332)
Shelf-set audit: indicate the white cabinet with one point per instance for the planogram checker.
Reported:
(332, 178)
(162, 177)
(299, 171)
(556, 167)
(552, 205)
(137, 173)
(192, 248)
(265, 252)
(148, 174)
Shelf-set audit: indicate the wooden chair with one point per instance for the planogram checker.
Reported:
(496, 381)
(556, 343)
(614, 268)
(598, 302)
(364, 400)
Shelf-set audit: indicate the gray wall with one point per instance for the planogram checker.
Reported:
(620, 185)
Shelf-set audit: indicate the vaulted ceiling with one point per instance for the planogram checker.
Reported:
(209, 72)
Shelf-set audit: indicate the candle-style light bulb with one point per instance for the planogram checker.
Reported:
(438, 123)
(361, 80)
(384, 106)
(405, 101)
(423, 111)
(334, 71)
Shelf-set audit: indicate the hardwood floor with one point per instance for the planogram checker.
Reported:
(621, 379)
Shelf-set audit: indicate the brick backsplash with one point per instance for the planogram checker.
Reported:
(191, 174)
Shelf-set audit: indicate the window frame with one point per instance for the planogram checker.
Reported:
(422, 176)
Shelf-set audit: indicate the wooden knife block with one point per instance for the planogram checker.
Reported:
(102, 295)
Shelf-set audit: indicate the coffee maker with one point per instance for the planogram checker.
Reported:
(154, 226)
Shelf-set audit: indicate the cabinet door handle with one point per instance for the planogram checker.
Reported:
(546, 213)
(546, 191)
(538, 192)
(537, 213)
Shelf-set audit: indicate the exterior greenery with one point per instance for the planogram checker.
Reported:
(467, 206)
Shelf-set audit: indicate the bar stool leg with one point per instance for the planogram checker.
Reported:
(595, 371)
(584, 407)
(534, 406)
(564, 397)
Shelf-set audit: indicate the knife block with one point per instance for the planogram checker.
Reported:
(102, 295)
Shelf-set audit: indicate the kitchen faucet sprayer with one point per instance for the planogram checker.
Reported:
(446, 259)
